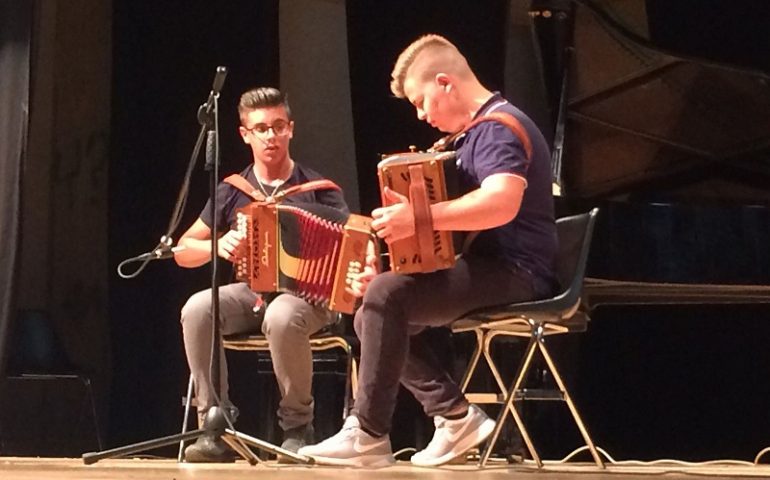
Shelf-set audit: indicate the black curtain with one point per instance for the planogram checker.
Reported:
(377, 32)
(15, 28)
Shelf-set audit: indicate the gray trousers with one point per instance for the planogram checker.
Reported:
(288, 323)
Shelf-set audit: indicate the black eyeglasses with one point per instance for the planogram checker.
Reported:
(279, 127)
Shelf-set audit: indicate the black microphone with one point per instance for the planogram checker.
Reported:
(219, 80)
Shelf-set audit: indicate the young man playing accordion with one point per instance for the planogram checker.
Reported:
(266, 127)
(506, 199)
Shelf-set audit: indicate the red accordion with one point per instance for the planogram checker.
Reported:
(309, 250)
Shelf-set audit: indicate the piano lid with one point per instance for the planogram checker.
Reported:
(641, 120)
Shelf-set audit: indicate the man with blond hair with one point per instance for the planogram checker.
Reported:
(506, 180)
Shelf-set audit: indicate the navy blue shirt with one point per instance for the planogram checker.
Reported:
(229, 198)
(529, 241)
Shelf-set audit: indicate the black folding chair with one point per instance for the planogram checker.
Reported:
(534, 320)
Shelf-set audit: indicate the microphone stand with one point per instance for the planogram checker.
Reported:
(218, 422)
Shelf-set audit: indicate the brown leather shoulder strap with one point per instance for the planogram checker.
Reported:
(513, 124)
(423, 218)
(243, 185)
(308, 187)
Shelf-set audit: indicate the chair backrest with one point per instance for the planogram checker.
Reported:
(574, 234)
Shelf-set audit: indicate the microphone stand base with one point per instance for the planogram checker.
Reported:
(217, 423)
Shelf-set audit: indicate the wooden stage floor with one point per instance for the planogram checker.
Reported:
(15, 468)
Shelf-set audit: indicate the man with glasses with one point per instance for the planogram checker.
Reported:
(266, 127)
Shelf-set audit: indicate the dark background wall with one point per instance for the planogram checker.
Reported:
(164, 57)
(652, 381)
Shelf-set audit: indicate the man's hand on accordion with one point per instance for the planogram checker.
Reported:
(229, 244)
(395, 221)
(360, 281)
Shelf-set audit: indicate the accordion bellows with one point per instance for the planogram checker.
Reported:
(309, 250)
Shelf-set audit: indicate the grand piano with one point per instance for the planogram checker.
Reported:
(673, 144)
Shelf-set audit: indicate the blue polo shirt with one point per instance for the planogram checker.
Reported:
(528, 242)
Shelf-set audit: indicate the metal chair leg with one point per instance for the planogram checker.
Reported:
(492, 366)
(536, 343)
(90, 393)
(348, 382)
(474, 361)
(185, 418)
(509, 407)
(575, 415)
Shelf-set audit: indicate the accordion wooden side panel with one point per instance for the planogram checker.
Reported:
(259, 266)
(393, 172)
(352, 260)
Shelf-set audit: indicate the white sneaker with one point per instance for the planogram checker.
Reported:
(352, 447)
(453, 438)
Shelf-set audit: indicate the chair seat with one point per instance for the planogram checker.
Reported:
(257, 342)
(560, 303)
(522, 323)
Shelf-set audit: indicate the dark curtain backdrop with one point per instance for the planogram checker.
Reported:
(15, 28)
(165, 55)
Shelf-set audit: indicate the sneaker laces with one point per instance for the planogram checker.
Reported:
(442, 425)
(439, 422)
(351, 422)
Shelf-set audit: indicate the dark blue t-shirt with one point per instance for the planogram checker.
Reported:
(229, 198)
(529, 241)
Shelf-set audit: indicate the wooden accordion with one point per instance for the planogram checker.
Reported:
(423, 178)
(309, 250)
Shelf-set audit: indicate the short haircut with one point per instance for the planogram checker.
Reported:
(262, 97)
(444, 57)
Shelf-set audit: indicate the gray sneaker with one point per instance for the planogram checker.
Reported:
(352, 447)
(297, 437)
(453, 438)
(294, 439)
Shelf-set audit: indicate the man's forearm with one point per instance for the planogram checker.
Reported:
(196, 253)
